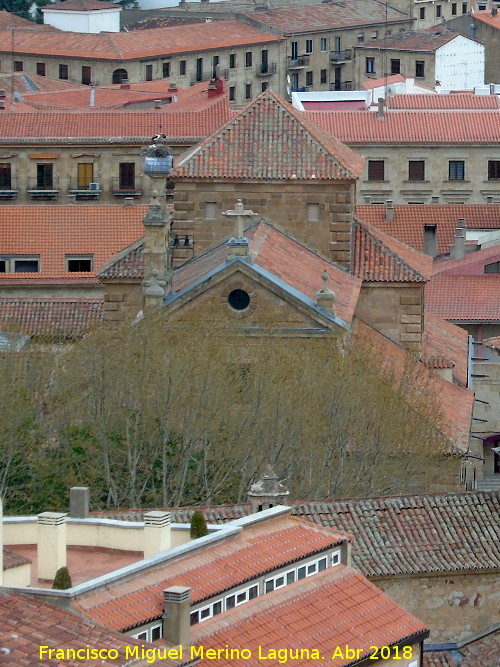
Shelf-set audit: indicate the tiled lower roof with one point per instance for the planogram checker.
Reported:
(452, 101)
(337, 607)
(11, 559)
(444, 338)
(483, 652)
(464, 298)
(28, 622)
(56, 318)
(257, 550)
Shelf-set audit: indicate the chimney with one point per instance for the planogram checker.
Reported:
(380, 108)
(325, 298)
(1, 543)
(125, 84)
(158, 104)
(172, 88)
(215, 88)
(267, 492)
(389, 211)
(156, 533)
(430, 240)
(176, 617)
(434, 200)
(494, 11)
(459, 249)
(79, 502)
(51, 548)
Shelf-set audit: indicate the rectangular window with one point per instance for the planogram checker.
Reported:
(142, 635)
(232, 60)
(5, 176)
(494, 267)
(248, 91)
(323, 76)
(438, 11)
(295, 50)
(264, 85)
(217, 608)
(336, 558)
(85, 175)
(269, 587)
(313, 212)
(290, 577)
(465, 8)
(193, 618)
(416, 170)
(337, 44)
(79, 263)
(182, 67)
(199, 69)
(493, 170)
(232, 93)
(323, 44)
(456, 170)
(40, 69)
(63, 72)
(20, 264)
(86, 75)
(322, 564)
(421, 13)
(376, 170)
(361, 37)
(248, 59)
(156, 633)
(309, 79)
(44, 176)
(165, 72)
(374, 34)
(230, 602)
(18, 66)
(453, 8)
(419, 68)
(311, 569)
(149, 72)
(241, 597)
(309, 45)
(210, 210)
(370, 65)
(126, 180)
(215, 66)
(205, 613)
(301, 573)
(395, 66)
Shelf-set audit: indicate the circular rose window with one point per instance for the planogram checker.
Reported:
(238, 299)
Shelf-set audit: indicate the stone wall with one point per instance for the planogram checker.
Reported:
(453, 606)
(284, 203)
(122, 301)
(394, 309)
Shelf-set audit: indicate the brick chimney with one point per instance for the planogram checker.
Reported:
(176, 617)
(216, 87)
(157, 536)
(51, 548)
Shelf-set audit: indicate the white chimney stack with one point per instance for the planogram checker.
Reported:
(51, 549)
(156, 533)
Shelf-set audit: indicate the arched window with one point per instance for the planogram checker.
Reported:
(119, 75)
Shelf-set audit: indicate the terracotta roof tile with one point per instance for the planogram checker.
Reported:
(334, 608)
(107, 127)
(255, 551)
(321, 17)
(410, 127)
(9, 20)
(123, 46)
(472, 264)
(378, 257)
(455, 403)
(11, 559)
(409, 221)
(486, 17)
(54, 318)
(52, 232)
(82, 5)
(452, 101)
(386, 80)
(441, 338)
(28, 622)
(438, 659)
(483, 652)
(464, 298)
(412, 40)
(256, 144)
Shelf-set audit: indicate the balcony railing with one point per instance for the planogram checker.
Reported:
(342, 85)
(126, 187)
(297, 63)
(8, 188)
(81, 191)
(341, 56)
(43, 188)
(265, 70)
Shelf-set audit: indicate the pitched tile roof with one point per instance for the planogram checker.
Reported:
(9, 20)
(410, 126)
(106, 127)
(257, 144)
(455, 403)
(82, 6)
(442, 338)
(378, 257)
(29, 622)
(340, 607)
(54, 318)
(414, 40)
(416, 534)
(258, 549)
(52, 232)
(11, 559)
(409, 221)
(376, 83)
(127, 263)
(486, 17)
(322, 17)
(482, 652)
(472, 264)
(123, 46)
(451, 101)
(464, 298)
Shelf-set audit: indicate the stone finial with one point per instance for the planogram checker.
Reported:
(325, 297)
(155, 286)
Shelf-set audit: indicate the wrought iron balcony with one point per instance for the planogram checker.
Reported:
(265, 70)
(341, 56)
(297, 63)
(82, 190)
(43, 188)
(8, 188)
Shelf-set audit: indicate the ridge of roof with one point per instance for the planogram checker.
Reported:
(254, 144)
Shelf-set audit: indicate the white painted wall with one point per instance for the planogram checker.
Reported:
(160, 4)
(102, 20)
(460, 64)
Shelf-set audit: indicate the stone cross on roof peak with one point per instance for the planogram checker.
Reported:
(240, 213)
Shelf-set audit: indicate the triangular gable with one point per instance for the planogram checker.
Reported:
(378, 257)
(269, 139)
(128, 263)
